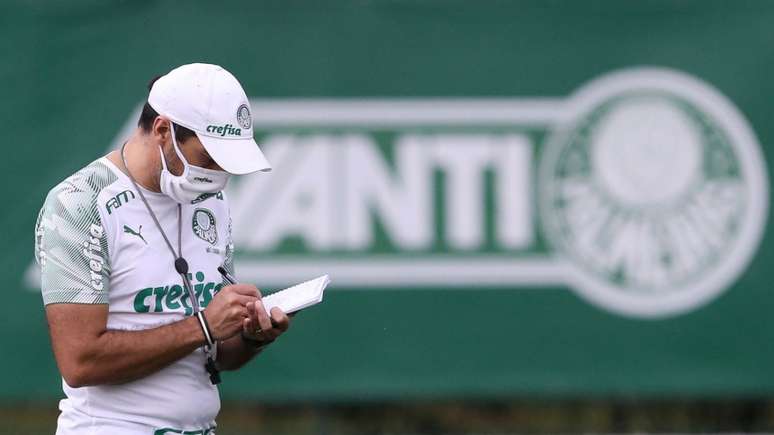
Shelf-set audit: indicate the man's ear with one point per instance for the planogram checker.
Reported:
(160, 129)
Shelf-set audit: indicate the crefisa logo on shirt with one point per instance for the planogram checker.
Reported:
(172, 297)
(645, 192)
(93, 251)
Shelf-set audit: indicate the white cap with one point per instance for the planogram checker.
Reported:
(210, 101)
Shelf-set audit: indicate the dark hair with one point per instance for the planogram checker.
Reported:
(149, 114)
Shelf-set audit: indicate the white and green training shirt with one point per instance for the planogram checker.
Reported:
(97, 244)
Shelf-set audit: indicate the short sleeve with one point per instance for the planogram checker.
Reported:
(71, 245)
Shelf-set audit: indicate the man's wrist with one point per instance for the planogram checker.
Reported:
(196, 334)
(205, 327)
(254, 343)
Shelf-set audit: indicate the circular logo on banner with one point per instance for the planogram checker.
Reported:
(243, 116)
(204, 225)
(654, 190)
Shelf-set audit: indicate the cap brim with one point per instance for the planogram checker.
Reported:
(236, 156)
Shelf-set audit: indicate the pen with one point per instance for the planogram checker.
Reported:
(227, 276)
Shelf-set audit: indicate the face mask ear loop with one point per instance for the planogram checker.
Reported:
(177, 151)
(163, 160)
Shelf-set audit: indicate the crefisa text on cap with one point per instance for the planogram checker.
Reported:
(224, 130)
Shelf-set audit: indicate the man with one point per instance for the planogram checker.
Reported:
(141, 320)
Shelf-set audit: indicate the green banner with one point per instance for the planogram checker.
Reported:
(511, 199)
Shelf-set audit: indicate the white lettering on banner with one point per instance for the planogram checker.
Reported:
(515, 197)
(399, 196)
(305, 204)
(297, 203)
(464, 158)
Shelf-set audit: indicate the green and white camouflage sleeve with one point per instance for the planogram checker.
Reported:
(71, 242)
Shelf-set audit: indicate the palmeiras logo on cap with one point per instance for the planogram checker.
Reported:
(204, 225)
(653, 189)
(243, 116)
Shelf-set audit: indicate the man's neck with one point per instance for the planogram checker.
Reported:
(142, 159)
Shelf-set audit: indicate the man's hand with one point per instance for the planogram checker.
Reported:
(257, 325)
(227, 311)
(260, 327)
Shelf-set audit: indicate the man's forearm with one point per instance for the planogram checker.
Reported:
(122, 356)
(234, 353)
(89, 354)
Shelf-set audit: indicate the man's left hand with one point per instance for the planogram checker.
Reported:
(262, 326)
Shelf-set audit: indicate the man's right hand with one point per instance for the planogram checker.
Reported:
(227, 310)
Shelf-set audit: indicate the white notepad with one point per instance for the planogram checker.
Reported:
(297, 297)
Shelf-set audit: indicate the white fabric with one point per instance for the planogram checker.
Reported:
(146, 292)
(210, 101)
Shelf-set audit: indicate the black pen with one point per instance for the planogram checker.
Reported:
(227, 276)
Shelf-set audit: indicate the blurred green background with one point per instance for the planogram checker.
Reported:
(499, 357)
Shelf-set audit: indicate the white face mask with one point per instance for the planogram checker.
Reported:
(193, 182)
